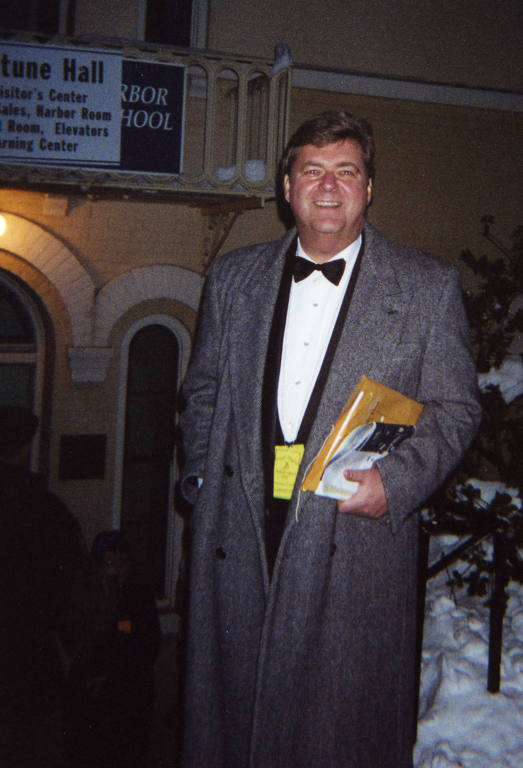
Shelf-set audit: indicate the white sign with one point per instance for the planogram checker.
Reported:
(59, 105)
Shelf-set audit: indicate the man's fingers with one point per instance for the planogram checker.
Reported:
(370, 499)
(356, 475)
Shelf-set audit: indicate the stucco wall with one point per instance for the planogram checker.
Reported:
(439, 170)
(472, 42)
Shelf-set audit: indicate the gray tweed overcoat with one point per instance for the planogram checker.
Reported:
(314, 668)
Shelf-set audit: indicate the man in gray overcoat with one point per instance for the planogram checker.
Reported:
(301, 630)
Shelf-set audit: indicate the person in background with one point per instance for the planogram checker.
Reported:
(41, 551)
(107, 719)
(302, 629)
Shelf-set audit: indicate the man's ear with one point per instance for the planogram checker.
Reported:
(286, 187)
(369, 191)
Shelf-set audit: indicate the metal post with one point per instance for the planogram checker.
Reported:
(498, 604)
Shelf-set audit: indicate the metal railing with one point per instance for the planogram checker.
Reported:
(235, 125)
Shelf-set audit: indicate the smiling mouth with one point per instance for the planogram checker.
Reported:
(327, 204)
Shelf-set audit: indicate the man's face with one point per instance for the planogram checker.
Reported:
(328, 192)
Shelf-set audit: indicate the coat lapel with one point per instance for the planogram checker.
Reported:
(250, 327)
(371, 332)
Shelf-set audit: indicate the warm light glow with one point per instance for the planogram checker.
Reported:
(3, 225)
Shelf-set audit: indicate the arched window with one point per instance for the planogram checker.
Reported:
(168, 22)
(21, 349)
(154, 355)
(18, 348)
(35, 15)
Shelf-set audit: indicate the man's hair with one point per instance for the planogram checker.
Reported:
(328, 128)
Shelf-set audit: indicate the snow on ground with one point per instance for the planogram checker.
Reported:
(461, 725)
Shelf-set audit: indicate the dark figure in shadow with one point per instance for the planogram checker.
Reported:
(108, 718)
(41, 551)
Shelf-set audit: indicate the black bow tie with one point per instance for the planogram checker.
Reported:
(333, 270)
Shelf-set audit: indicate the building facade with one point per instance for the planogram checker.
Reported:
(101, 269)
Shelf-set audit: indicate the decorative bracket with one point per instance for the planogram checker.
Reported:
(89, 365)
(220, 218)
(218, 226)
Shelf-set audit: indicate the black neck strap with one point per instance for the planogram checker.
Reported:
(270, 420)
(319, 386)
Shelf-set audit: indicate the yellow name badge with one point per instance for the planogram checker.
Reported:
(287, 461)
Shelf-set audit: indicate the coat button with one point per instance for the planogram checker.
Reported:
(333, 550)
(229, 471)
(221, 553)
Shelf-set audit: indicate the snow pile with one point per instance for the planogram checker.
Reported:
(225, 174)
(488, 490)
(461, 725)
(282, 58)
(254, 170)
(509, 378)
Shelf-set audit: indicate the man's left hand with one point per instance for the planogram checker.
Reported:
(370, 499)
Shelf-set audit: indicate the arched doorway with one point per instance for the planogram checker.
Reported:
(152, 376)
(154, 356)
